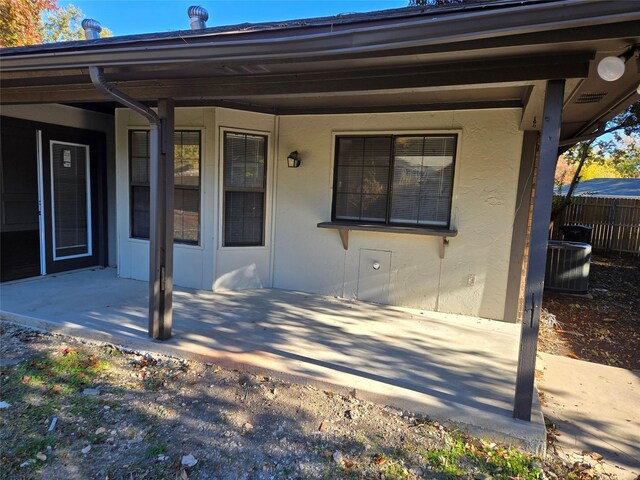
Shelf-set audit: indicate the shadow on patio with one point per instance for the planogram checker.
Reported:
(445, 366)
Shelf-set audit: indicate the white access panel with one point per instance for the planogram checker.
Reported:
(374, 275)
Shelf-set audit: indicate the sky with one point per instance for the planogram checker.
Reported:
(126, 17)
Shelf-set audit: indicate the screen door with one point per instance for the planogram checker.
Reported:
(70, 201)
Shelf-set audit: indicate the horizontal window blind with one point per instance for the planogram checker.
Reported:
(404, 180)
(244, 188)
(187, 153)
(422, 180)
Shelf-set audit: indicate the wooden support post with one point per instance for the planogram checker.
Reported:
(161, 223)
(549, 138)
(520, 227)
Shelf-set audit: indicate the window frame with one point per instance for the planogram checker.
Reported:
(179, 243)
(393, 135)
(223, 189)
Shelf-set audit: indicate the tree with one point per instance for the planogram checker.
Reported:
(30, 22)
(64, 24)
(565, 170)
(599, 170)
(617, 147)
(20, 21)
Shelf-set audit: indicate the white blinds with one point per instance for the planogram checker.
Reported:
(416, 171)
(422, 180)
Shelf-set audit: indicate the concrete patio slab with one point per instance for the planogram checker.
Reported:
(596, 408)
(448, 367)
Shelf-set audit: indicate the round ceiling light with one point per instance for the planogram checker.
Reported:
(611, 68)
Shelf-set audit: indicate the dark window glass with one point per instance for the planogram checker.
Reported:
(244, 188)
(186, 218)
(405, 180)
(69, 172)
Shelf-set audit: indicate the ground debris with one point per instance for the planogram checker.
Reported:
(185, 419)
(189, 461)
(603, 329)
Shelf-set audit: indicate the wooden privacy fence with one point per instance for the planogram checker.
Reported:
(615, 222)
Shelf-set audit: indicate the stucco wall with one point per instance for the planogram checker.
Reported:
(80, 118)
(208, 265)
(472, 277)
(470, 280)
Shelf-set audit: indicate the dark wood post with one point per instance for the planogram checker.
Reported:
(161, 223)
(541, 216)
(520, 226)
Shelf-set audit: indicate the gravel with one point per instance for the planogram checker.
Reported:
(161, 417)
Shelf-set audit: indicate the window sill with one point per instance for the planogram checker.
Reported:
(344, 227)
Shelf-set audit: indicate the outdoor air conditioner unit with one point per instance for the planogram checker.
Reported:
(568, 267)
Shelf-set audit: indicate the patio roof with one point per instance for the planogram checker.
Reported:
(480, 55)
(448, 367)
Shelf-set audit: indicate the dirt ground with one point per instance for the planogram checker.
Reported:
(76, 410)
(605, 326)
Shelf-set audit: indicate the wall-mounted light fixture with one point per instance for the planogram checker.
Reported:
(612, 68)
(293, 160)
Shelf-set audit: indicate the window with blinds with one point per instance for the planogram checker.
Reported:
(244, 188)
(394, 179)
(186, 218)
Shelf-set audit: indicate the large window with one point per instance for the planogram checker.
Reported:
(397, 180)
(186, 218)
(244, 176)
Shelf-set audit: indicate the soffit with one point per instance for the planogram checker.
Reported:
(448, 72)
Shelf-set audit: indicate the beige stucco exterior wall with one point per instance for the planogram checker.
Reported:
(208, 265)
(191, 262)
(470, 280)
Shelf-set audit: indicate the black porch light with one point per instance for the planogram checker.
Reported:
(293, 160)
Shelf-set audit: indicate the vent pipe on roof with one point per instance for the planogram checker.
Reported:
(91, 28)
(198, 17)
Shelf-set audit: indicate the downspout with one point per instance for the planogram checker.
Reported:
(98, 80)
(92, 31)
(160, 242)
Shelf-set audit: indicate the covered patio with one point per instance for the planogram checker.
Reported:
(514, 82)
(447, 367)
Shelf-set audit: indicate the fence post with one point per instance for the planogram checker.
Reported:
(612, 221)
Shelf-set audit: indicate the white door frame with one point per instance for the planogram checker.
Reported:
(53, 216)
(43, 263)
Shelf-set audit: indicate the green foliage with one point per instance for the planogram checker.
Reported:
(34, 443)
(157, 449)
(395, 470)
(61, 374)
(618, 151)
(605, 169)
(497, 461)
(64, 25)
(30, 22)
(82, 406)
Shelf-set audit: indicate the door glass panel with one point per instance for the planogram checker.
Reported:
(70, 197)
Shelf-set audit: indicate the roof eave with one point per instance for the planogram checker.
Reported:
(292, 44)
